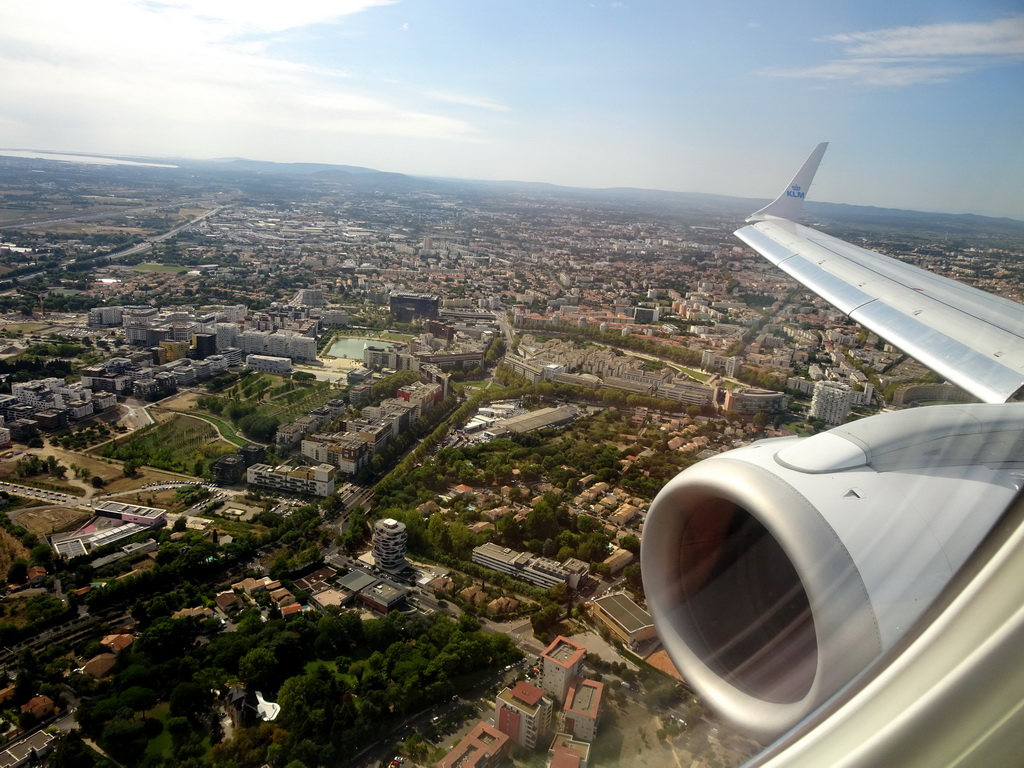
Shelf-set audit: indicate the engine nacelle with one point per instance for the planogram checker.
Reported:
(776, 572)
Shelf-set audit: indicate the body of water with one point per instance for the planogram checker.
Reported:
(352, 348)
(77, 158)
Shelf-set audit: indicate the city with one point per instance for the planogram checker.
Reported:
(357, 473)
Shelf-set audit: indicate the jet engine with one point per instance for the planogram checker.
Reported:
(777, 572)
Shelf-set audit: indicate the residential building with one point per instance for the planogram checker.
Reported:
(38, 707)
(583, 709)
(389, 542)
(567, 752)
(105, 316)
(316, 481)
(561, 664)
(483, 747)
(348, 452)
(309, 297)
(523, 713)
(831, 402)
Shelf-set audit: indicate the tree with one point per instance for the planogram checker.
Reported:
(130, 467)
(189, 700)
(258, 669)
(545, 618)
(97, 481)
(18, 572)
(259, 427)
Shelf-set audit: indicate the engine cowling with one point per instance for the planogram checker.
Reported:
(776, 572)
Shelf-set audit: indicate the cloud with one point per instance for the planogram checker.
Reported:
(997, 38)
(904, 56)
(471, 101)
(191, 76)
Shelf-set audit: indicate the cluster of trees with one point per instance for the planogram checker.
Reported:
(28, 618)
(28, 367)
(32, 465)
(371, 675)
(83, 437)
(181, 444)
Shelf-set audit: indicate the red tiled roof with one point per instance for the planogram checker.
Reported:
(526, 693)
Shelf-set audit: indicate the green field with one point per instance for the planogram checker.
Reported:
(270, 400)
(227, 431)
(25, 327)
(177, 445)
(288, 408)
(279, 398)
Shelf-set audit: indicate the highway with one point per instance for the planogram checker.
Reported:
(142, 247)
(130, 250)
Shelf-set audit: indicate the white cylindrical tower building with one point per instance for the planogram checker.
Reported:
(389, 541)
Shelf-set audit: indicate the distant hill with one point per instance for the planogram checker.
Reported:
(271, 177)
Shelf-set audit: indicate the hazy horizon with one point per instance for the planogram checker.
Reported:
(921, 102)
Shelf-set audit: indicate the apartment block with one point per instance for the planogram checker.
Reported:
(583, 709)
(561, 665)
(831, 402)
(523, 713)
(317, 481)
(269, 364)
(483, 747)
(389, 542)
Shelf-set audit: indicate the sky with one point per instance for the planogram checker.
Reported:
(922, 101)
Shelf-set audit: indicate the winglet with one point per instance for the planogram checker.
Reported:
(790, 203)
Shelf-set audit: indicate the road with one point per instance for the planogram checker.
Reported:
(138, 248)
(142, 247)
(506, 329)
(138, 413)
(53, 497)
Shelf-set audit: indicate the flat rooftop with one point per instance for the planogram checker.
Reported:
(624, 612)
(509, 697)
(539, 419)
(564, 651)
(356, 581)
(585, 698)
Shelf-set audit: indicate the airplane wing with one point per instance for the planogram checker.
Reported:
(972, 338)
(856, 594)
